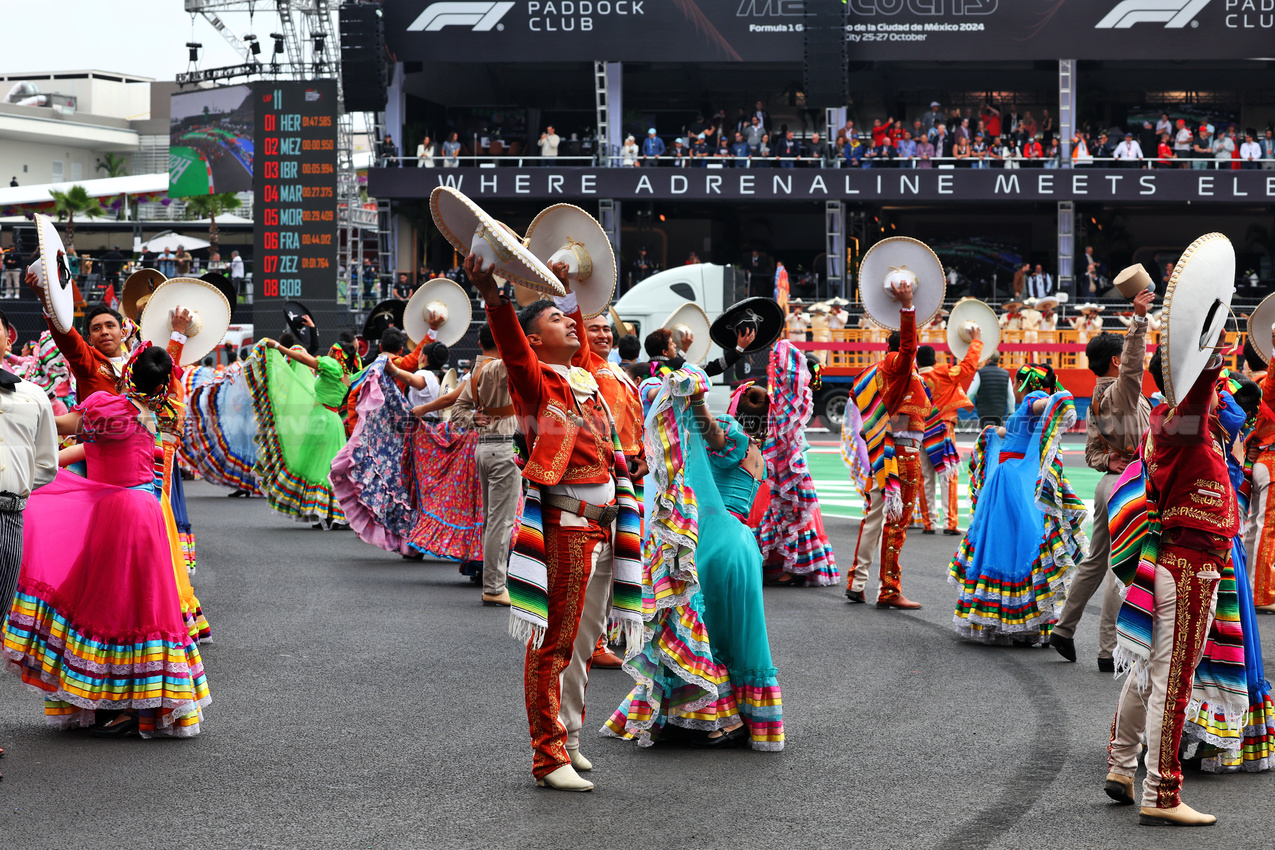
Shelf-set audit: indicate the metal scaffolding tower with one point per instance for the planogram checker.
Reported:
(311, 45)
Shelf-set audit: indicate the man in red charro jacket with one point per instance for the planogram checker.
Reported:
(570, 458)
(908, 405)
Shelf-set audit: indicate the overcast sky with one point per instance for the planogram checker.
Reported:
(144, 37)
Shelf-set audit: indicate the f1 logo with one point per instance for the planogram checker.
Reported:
(1174, 14)
(480, 15)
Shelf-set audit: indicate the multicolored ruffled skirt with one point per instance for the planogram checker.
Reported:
(441, 468)
(101, 627)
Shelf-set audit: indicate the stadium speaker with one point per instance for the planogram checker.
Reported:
(825, 80)
(364, 65)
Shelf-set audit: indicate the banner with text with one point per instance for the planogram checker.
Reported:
(815, 184)
(760, 31)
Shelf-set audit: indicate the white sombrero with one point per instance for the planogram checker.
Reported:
(208, 306)
(1259, 327)
(968, 312)
(895, 260)
(567, 234)
(690, 317)
(1197, 302)
(464, 224)
(57, 290)
(443, 296)
(1049, 301)
(1090, 308)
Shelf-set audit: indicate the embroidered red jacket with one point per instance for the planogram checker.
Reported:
(903, 391)
(569, 441)
(1189, 481)
(93, 370)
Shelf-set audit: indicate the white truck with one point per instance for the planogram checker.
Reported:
(713, 288)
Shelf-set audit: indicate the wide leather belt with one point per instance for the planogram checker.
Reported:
(907, 442)
(601, 514)
(486, 439)
(11, 503)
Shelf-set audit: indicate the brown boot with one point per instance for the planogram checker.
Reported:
(1119, 788)
(900, 602)
(605, 658)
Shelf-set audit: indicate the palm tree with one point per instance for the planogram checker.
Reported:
(75, 200)
(199, 206)
(113, 164)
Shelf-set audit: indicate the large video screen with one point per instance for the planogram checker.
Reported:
(210, 142)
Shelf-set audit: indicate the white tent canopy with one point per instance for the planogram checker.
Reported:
(168, 240)
(106, 187)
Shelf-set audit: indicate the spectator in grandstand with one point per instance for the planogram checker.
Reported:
(787, 150)
(1268, 150)
(739, 150)
(1080, 156)
(1093, 282)
(1039, 283)
(1128, 153)
(979, 152)
(167, 263)
(1168, 274)
(763, 152)
(854, 152)
(370, 278)
(963, 130)
(754, 135)
(451, 151)
(691, 259)
(1182, 139)
(1104, 149)
(13, 181)
(679, 153)
(1033, 152)
(1027, 126)
(991, 120)
(700, 152)
(818, 152)
(880, 156)
(653, 147)
(742, 122)
(961, 152)
(723, 154)
(389, 153)
(762, 116)
(549, 143)
(629, 152)
(924, 152)
(1223, 148)
(933, 117)
(906, 150)
(1164, 125)
(1164, 152)
(1250, 151)
(112, 260)
(943, 143)
(425, 153)
(880, 131)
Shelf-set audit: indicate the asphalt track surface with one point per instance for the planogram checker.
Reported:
(364, 701)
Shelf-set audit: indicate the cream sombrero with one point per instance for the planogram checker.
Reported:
(443, 296)
(893, 261)
(1197, 302)
(690, 317)
(208, 306)
(57, 289)
(470, 229)
(1259, 327)
(564, 233)
(967, 313)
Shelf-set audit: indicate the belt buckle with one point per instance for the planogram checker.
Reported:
(609, 514)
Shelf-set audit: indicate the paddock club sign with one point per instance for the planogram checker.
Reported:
(802, 184)
(761, 31)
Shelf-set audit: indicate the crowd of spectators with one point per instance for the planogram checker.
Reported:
(957, 138)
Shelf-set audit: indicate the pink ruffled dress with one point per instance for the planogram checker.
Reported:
(97, 619)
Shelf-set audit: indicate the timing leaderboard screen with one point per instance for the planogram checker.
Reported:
(295, 184)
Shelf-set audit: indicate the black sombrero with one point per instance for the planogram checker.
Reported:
(227, 288)
(763, 314)
(388, 314)
(294, 312)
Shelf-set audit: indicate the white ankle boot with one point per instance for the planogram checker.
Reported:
(578, 761)
(565, 778)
